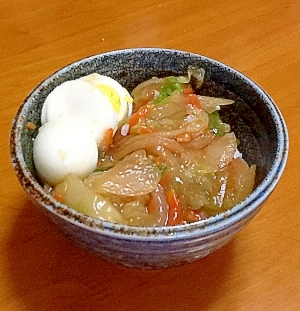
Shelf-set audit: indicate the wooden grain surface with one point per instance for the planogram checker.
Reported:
(258, 270)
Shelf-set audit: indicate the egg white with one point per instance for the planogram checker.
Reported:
(62, 147)
(81, 99)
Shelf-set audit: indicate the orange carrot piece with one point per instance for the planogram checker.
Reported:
(192, 99)
(175, 211)
(30, 126)
(107, 140)
(188, 90)
(141, 113)
(165, 179)
(134, 118)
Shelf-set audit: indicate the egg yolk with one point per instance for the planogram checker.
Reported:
(112, 95)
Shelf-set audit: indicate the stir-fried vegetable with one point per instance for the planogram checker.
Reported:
(171, 162)
(133, 176)
(74, 193)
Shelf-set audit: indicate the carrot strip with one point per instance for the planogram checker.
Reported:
(107, 140)
(188, 90)
(192, 99)
(165, 179)
(175, 211)
(141, 113)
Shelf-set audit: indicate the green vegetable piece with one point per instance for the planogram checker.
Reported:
(216, 125)
(171, 85)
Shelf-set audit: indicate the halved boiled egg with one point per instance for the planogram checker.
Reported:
(62, 147)
(98, 99)
(118, 96)
(78, 98)
(75, 118)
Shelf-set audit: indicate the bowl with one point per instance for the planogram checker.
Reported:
(254, 118)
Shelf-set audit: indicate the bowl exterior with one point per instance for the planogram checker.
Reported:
(256, 119)
(144, 253)
(157, 252)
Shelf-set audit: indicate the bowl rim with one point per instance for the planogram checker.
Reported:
(203, 227)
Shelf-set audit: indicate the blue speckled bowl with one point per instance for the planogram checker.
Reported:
(254, 118)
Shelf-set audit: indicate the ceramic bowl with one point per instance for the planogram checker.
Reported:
(254, 118)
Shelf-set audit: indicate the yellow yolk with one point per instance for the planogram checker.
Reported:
(119, 97)
(112, 95)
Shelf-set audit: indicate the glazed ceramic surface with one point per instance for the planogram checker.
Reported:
(254, 118)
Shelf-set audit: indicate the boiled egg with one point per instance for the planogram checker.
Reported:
(81, 99)
(98, 99)
(62, 147)
(118, 96)
(75, 117)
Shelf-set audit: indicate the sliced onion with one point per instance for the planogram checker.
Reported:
(216, 155)
(240, 182)
(132, 143)
(200, 142)
(162, 206)
(211, 104)
(133, 176)
(75, 194)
